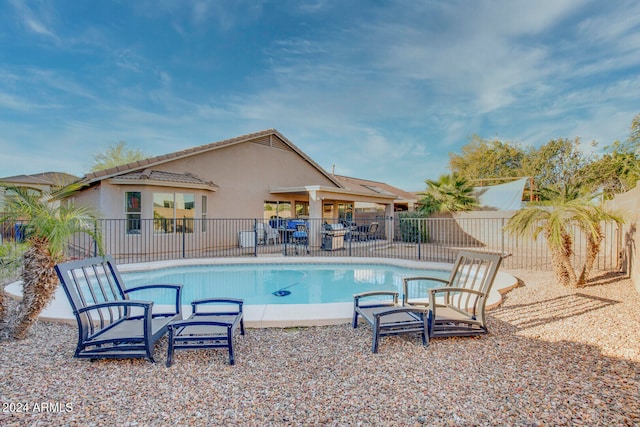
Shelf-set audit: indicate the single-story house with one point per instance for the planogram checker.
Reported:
(261, 175)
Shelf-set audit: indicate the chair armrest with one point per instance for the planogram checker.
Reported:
(447, 290)
(358, 297)
(147, 305)
(434, 279)
(147, 315)
(407, 291)
(376, 293)
(177, 288)
(143, 287)
(450, 289)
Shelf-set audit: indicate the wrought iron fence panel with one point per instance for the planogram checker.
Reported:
(424, 239)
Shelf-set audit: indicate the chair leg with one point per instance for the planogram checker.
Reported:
(230, 338)
(170, 348)
(376, 336)
(425, 331)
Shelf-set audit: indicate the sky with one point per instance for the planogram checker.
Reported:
(379, 90)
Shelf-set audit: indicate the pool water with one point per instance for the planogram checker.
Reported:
(257, 283)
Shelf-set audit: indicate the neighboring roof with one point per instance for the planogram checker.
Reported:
(55, 179)
(140, 165)
(374, 188)
(149, 176)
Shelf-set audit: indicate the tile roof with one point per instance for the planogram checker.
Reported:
(153, 175)
(373, 187)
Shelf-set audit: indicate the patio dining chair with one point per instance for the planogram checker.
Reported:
(267, 234)
(363, 233)
(300, 237)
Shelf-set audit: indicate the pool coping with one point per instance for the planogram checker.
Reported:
(273, 315)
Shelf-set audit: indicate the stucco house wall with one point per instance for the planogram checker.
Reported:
(629, 205)
(245, 173)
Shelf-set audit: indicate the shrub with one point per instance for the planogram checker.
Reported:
(412, 229)
(11, 259)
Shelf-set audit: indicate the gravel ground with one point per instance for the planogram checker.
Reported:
(554, 357)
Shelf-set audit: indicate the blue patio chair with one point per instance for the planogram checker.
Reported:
(110, 323)
(300, 237)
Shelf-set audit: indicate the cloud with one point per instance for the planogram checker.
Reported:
(16, 103)
(202, 15)
(395, 85)
(34, 21)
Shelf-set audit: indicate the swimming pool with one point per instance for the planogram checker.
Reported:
(293, 283)
(277, 312)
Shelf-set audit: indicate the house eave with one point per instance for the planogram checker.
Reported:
(329, 190)
(157, 183)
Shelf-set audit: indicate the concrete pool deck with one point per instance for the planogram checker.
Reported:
(273, 315)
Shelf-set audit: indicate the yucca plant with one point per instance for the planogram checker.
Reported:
(49, 225)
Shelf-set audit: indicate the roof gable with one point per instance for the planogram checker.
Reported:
(269, 137)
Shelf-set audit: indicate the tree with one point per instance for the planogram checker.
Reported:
(116, 155)
(618, 170)
(634, 133)
(49, 225)
(450, 193)
(615, 172)
(556, 219)
(558, 163)
(487, 159)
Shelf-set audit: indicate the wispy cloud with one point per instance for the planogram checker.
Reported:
(398, 83)
(199, 15)
(34, 21)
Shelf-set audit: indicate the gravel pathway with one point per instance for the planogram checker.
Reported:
(554, 357)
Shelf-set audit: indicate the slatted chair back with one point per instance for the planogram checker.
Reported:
(474, 271)
(89, 282)
(471, 270)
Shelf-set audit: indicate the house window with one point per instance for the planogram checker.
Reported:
(277, 213)
(133, 211)
(302, 209)
(327, 211)
(204, 214)
(345, 212)
(173, 212)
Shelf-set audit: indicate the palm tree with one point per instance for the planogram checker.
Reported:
(450, 193)
(49, 225)
(555, 219)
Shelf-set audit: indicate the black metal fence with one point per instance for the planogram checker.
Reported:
(428, 239)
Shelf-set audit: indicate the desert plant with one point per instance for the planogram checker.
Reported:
(49, 225)
(555, 219)
(412, 227)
